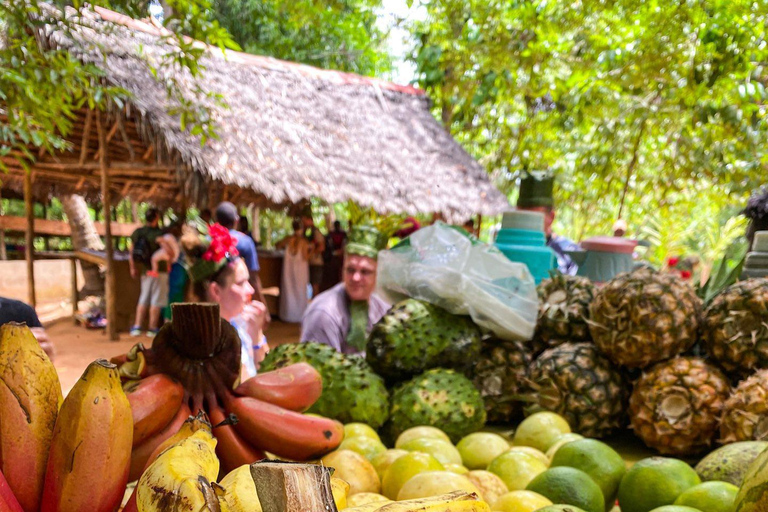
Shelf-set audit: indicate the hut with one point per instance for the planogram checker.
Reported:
(286, 132)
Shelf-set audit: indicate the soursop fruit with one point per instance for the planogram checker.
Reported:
(352, 392)
(440, 398)
(415, 336)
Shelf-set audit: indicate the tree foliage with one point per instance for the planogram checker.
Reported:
(645, 110)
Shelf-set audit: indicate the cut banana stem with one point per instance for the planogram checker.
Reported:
(293, 487)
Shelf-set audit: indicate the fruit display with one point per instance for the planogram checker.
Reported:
(577, 382)
(438, 397)
(644, 316)
(735, 327)
(351, 392)
(675, 407)
(745, 414)
(500, 374)
(415, 336)
(563, 310)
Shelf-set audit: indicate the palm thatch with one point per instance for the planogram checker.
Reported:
(289, 132)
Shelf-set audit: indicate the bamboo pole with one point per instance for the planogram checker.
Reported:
(3, 254)
(30, 238)
(255, 229)
(105, 201)
(75, 296)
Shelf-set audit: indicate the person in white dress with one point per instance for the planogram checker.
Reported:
(295, 280)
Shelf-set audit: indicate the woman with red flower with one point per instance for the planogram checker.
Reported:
(219, 275)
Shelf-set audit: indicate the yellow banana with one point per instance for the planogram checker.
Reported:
(458, 501)
(240, 491)
(340, 490)
(181, 478)
(30, 397)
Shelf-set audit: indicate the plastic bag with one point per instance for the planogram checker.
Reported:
(444, 266)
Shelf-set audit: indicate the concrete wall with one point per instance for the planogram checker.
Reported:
(53, 280)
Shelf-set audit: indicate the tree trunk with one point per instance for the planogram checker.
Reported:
(84, 236)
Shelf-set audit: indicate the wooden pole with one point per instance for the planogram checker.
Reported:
(105, 201)
(3, 254)
(30, 238)
(75, 295)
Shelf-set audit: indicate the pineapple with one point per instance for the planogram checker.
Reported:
(745, 416)
(735, 327)
(499, 375)
(675, 407)
(577, 382)
(644, 316)
(564, 310)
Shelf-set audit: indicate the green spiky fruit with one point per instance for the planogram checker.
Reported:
(675, 407)
(500, 374)
(564, 310)
(440, 398)
(415, 336)
(352, 392)
(735, 327)
(644, 316)
(577, 382)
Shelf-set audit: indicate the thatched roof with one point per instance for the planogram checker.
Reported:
(290, 131)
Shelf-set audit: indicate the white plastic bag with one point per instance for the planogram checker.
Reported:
(443, 266)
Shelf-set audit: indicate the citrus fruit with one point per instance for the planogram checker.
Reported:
(569, 486)
(676, 508)
(364, 498)
(655, 482)
(456, 468)
(422, 431)
(479, 449)
(516, 469)
(531, 451)
(710, 496)
(560, 441)
(382, 461)
(440, 449)
(405, 468)
(560, 508)
(520, 501)
(540, 430)
(365, 446)
(491, 486)
(360, 430)
(601, 462)
(434, 483)
(354, 469)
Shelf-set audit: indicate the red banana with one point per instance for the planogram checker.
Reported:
(8, 502)
(154, 402)
(295, 387)
(282, 432)
(233, 451)
(140, 456)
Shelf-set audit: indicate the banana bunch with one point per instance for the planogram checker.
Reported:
(194, 365)
(48, 449)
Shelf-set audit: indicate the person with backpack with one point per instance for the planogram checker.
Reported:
(154, 287)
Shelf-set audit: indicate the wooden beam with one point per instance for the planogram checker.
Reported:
(110, 270)
(30, 238)
(3, 254)
(60, 228)
(125, 138)
(80, 184)
(148, 152)
(75, 295)
(105, 147)
(86, 137)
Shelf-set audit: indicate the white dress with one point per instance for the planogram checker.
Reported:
(293, 292)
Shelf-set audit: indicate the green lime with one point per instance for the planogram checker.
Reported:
(711, 496)
(516, 469)
(598, 460)
(440, 449)
(405, 468)
(675, 508)
(365, 446)
(569, 486)
(360, 430)
(655, 482)
(540, 430)
(479, 449)
(561, 441)
(382, 461)
(422, 431)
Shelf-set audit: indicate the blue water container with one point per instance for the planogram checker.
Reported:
(522, 240)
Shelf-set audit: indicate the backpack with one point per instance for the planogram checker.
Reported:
(141, 251)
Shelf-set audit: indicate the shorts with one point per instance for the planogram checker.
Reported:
(316, 274)
(154, 291)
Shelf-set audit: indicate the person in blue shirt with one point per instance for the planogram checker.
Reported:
(536, 194)
(227, 215)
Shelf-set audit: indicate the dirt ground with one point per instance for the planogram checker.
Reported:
(76, 347)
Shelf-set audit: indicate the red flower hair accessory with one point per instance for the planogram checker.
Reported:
(223, 245)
